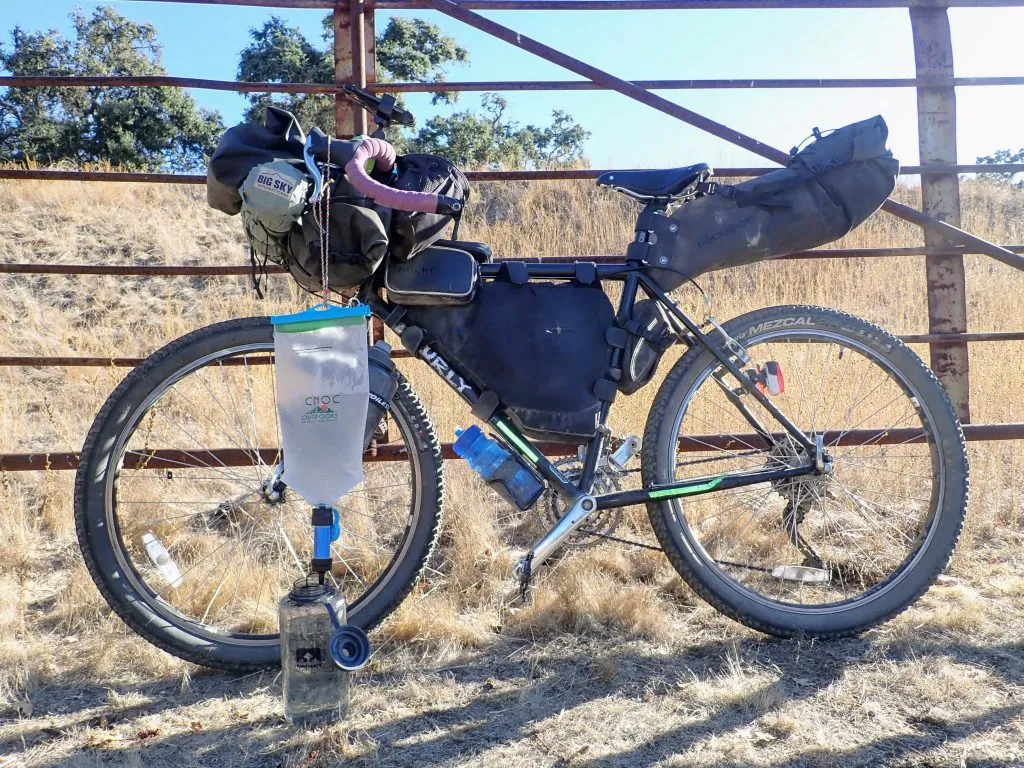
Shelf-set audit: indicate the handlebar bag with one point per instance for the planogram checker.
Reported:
(356, 247)
(830, 187)
(540, 347)
(245, 146)
(412, 232)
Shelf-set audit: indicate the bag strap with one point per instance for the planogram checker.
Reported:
(714, 188)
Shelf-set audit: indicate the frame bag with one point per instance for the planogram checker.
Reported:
(540, 347)
(830, 187)
(412, 232)
(649, 334)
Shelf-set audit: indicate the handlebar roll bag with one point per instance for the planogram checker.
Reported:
(828, 188)
(412, 232)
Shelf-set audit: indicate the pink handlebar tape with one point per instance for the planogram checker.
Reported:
(399, 199)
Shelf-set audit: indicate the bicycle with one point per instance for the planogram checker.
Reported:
(841, 487)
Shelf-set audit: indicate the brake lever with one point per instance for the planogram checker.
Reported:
(313, 168)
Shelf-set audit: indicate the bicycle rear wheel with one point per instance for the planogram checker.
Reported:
(822, 555)
(188, 533)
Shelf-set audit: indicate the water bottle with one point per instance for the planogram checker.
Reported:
(315, 689)
(504, 472)
(383, 385)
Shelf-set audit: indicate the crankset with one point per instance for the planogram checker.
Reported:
(608, 478)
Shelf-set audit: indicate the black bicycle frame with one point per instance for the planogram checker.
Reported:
(633, 279)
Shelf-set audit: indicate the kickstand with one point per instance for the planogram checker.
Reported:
(525, 576)
(791, 519)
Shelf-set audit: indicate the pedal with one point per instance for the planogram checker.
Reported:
(616, 460)
(620, 457)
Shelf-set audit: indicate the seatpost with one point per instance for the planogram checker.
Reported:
(323, 525)
(639, 249)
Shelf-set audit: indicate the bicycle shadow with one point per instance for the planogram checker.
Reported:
(63, 706)
(496, 718)
(515, 687)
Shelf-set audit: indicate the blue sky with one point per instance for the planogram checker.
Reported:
(204, 41)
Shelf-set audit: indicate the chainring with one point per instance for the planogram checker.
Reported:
(604, 523)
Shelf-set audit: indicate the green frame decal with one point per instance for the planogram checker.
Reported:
(666, 493)
(522, 445)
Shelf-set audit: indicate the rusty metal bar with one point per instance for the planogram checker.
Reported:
(698, 85)
(20, 174)
(132, 270)
(357, 22)
(377, 333)
(345, 113)
(940, 194)
(370, 43)
(684, 5)
(610, 5)
(164, 81)
(234, 457)
(325, 5)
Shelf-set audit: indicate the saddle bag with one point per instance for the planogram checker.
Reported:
(541, 348)
(830, 187)
(412, 232)
(436, 277)
(648, 335)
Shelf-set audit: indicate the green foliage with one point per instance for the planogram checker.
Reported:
(279, 53)
(408, 49)
(413, 50)
(135, 128)
(1003, 156)
(488, 139)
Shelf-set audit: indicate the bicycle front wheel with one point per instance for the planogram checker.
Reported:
(186, 528)
(824, 555)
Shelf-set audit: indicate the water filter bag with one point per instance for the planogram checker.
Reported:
(322, 397)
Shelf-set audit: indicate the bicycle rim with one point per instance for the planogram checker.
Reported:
(195, 464)
(818, 543)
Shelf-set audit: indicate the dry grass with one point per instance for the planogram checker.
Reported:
(613, 663)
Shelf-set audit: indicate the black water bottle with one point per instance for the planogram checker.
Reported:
(383, 385)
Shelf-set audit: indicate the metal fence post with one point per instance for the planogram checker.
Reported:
(344, 110)
(940, 193)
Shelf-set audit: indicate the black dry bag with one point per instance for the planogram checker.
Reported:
(829, 188)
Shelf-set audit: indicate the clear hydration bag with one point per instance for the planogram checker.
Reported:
(322, 397)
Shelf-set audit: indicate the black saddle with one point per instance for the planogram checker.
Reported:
(647, 185)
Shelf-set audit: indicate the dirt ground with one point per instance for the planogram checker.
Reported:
(612, 662)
